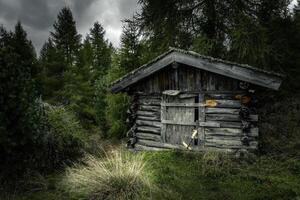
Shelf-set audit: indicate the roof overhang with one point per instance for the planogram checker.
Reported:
(233, 70)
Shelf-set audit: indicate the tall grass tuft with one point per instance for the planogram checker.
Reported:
(120, 175)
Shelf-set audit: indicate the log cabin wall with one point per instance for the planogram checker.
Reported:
(162, 122)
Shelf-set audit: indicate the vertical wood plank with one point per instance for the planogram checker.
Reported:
(163, 117)
(201, 130)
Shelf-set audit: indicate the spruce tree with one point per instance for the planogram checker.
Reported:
(65, 36)
(101, 63)
(20, 125)
(59, 58)
(52, 71)
(79, 89)
(248, 43)
(130, 52)
(101, 50)
(111, 108)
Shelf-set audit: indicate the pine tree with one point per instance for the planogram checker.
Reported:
(59, 58)
(111, 108)
(200, 25)
(165, 24)
(79, 89)
(248, 43)
(65, 36)
(52, 72)
(97, 53)
(130, 52)
(20, 125)
(101, 50)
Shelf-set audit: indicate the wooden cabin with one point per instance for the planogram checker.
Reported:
(184, 100)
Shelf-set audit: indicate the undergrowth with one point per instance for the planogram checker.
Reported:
(171, 175)
(120, 175)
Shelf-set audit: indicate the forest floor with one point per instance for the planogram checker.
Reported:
(181, 175)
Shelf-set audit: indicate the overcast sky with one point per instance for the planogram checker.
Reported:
(38, 16)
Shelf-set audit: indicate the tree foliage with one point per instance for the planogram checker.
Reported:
(76, 74)
(20, 125)
(65, 36)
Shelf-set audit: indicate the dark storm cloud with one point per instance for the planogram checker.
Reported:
(38, 16)
(125, 7)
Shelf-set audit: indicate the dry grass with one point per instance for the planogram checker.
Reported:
(120, 175)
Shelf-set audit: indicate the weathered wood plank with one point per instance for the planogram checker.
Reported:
(148, 129)
(219, 104)
(187, 96)
(149, 96)
(149, 118)
(223, 137)
(149, 108)
(247, 74)
(150, 103)
(231, 132)
(163, 126)
(204, 124)
(220, 124)
(201, 119)
(221, 96)
(148, 123)
(141, 73)
(147, 113)
(223, 141)
(229, 117)
(222, 111)
(193, 105)
(159, 144)
(228, 103)
(148, 136)
(231, 124)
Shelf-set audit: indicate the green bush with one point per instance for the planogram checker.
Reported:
(118, 176)
(280, 125)
(65, 140)
(117, 105)
(111, 108)
(100, 104)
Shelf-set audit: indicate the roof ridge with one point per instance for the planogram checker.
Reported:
(208, 59)
(143, 66)
(193, 53)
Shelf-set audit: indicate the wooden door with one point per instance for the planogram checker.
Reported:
(180, 115)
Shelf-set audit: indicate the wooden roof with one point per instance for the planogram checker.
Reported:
(233, 70)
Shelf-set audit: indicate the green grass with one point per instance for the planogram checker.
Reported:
(191, 176)
(180, 175)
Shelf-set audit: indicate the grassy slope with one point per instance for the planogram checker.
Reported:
(192, 176)
(188, 176)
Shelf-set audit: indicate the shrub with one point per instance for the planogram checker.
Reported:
(280, 121)
(118, 176)
(117, 105)
(100, 104)
(65, 139)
